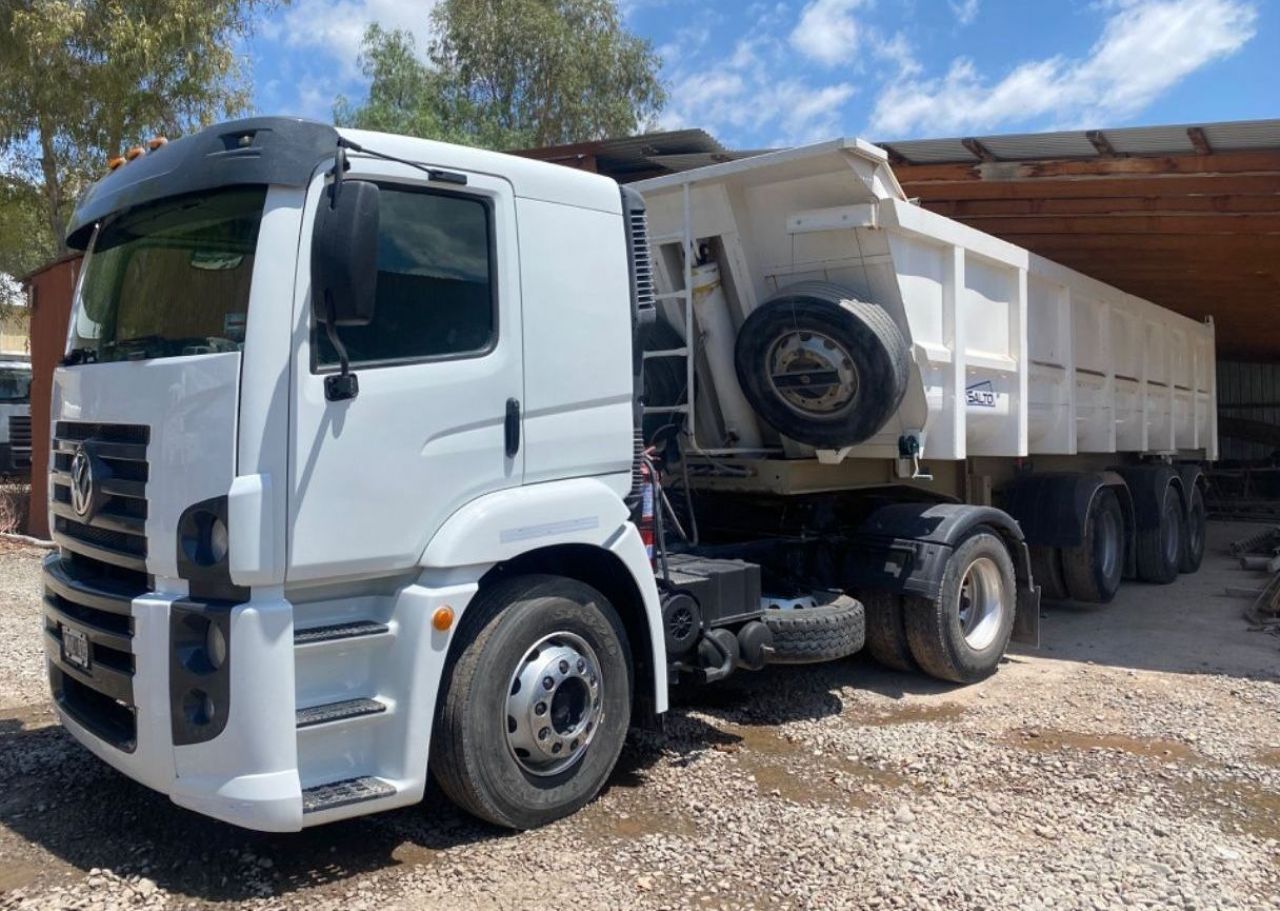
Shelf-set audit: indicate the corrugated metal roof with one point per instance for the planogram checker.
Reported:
(1154, 140)
(690, 160)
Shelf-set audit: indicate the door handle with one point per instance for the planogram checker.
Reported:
(512, 427)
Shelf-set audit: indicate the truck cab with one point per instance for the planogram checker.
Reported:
(15, 415)
(275, 523)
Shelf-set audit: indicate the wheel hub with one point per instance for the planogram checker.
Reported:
(812, 373)
(981, 603)
(555, 704)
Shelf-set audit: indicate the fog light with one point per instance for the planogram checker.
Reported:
(198, 707)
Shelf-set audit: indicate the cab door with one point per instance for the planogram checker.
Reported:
(440, 378)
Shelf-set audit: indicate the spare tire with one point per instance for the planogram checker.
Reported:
(822, 367)
(808, 635)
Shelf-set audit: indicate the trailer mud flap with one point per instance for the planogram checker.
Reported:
(1026, 619)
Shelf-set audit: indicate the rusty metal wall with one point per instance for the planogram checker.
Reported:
(1248, 390)
(50, 290)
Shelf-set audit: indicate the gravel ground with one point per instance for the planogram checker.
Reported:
(1132, 761)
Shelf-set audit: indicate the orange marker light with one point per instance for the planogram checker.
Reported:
(156, 142)
(133, 153)
(113, 163)
(442, 619)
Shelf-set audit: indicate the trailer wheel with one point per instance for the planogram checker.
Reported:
(1193, 532)
(961, 635)
(887, 631)
(536, 702)
(808, 635)
(1046, 571)
(1159, 546)
(1093, 570)
(821, 367)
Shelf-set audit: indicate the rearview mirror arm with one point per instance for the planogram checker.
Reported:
(346, 385)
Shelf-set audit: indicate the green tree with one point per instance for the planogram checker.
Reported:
(510, 74)
(404, 94)
(83, 80)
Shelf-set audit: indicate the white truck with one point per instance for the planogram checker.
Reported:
(15, 414)
(355, 478)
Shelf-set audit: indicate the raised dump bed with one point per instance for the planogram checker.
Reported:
(1007, 353)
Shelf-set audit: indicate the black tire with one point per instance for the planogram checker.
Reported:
(1159, 548)
(887, 631)
(934, 627)
(1046, 571)
(809, 635)
(839, 391)
(1194, 530)
(470, 754)
(1093, 570)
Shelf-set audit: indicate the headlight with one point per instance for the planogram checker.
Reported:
(202, 535)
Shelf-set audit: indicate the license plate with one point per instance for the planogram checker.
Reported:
(75, 648)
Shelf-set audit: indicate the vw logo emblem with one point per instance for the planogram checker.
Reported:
(82, 482)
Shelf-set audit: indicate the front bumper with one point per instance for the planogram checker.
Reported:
(134, 695)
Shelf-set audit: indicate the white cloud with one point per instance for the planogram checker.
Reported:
(336, 27)
(965, 10)
(741, 95)
(828, 31)
(1146, 47)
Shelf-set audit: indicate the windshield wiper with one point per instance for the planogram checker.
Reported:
(82, 355)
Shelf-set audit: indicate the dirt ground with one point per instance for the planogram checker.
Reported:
(1132, 761)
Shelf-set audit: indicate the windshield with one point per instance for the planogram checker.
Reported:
(15, 385)
(169, 279)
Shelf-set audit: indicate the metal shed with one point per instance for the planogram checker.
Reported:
(1187, 216)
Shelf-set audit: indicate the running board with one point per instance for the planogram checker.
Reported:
(344, 793)
(339, 711)
(350, 630)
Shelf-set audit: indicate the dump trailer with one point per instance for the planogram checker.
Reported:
(375, 458)
(845, 369)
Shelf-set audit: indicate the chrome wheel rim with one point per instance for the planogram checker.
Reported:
(555, 704)
(982, 603)
(812, 374)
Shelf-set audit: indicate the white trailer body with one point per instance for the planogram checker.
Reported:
(1014, 355)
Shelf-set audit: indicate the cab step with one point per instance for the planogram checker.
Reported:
(352, 629)
(339, 711)
(343, 793)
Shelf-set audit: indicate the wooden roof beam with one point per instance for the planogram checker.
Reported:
(977, 149)
(1099, 141)
(1199, 141)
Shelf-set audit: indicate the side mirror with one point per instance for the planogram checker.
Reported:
(344, 254)
(344, 269)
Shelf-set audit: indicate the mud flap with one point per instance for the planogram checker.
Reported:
(1026, 619)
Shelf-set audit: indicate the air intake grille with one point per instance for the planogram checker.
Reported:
(639, 227)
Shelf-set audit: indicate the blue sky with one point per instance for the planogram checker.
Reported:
(763, 74)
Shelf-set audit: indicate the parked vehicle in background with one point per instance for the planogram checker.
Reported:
(15, 415)
(364, 466)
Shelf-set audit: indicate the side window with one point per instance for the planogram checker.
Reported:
(436, 288)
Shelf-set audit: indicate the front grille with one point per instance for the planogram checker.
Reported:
(20, 440)
(112, 526)
(91, 602)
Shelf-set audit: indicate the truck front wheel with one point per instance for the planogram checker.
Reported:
(536, 702)
(961, 635)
